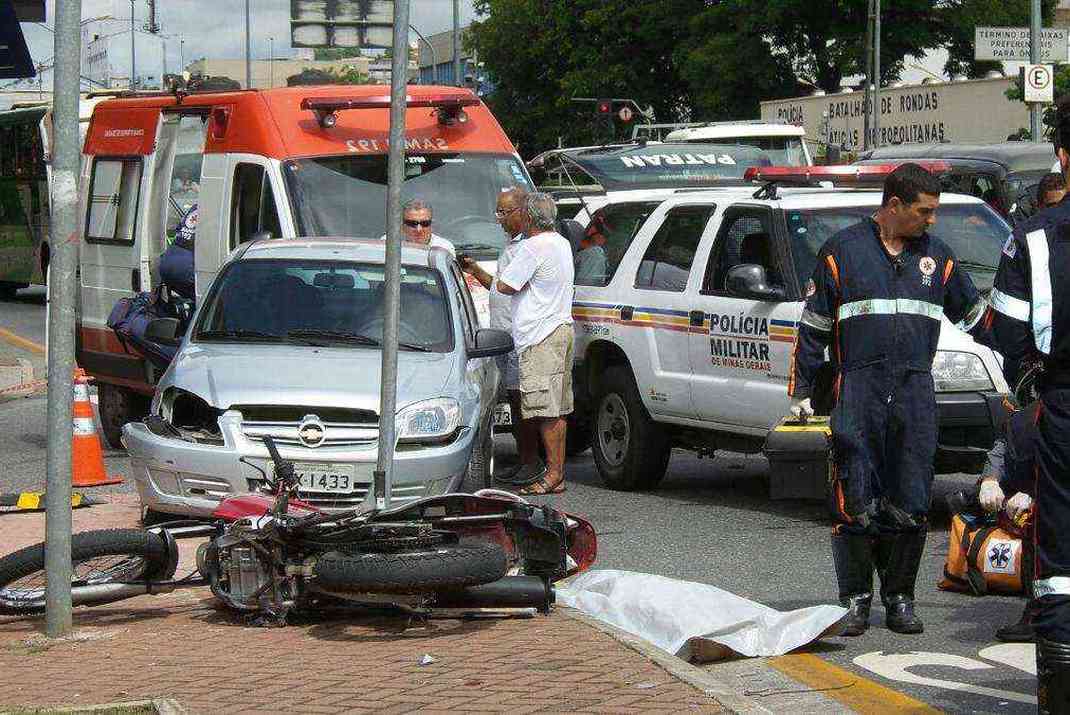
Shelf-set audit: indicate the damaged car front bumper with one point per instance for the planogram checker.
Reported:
(176, 473)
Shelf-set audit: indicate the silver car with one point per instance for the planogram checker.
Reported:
(287, 344)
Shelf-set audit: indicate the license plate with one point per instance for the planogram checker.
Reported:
(325, 477)
(503, 416)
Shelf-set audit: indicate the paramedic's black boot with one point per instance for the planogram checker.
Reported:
(900, 556)
(1020, 632)
(1053, 677)
(853, 557)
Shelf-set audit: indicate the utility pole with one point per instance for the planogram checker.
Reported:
(867, 96)
(271, 61)
(248, 61)
(458, 80)
(384, 466)
(431, 49)
(877, 75)
(133, 63)
(181, 55)
(64, 231)
(1034, 58)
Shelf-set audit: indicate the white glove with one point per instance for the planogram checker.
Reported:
(801, 408)
(991, 495)
(1017, 504)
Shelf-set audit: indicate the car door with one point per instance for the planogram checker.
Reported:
(659, 310)
(740, 356)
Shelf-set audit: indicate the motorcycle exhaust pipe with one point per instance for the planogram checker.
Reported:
(506, 592)
(111, 592)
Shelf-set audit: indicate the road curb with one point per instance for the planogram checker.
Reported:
(716, 688)
(14, 373)
(163, 706)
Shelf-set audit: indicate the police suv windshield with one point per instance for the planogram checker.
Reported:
(974, 233)
(324, 303)
(665, 165)
(346, 195)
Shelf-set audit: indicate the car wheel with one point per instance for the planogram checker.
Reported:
(481, 464)
(117, 407)
(631, 451)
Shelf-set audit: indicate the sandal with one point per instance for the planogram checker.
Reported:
(543, 486)
(522, 475)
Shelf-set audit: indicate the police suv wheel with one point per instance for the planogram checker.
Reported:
(631, 451)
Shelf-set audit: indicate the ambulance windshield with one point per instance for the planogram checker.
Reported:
(346, 195)
(974, 233)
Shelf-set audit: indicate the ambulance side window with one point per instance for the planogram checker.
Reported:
(113, 196)
(253, 207)
(667, 261)
(746, 236)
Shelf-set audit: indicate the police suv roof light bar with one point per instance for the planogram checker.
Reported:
(450, 107)
(843, 174)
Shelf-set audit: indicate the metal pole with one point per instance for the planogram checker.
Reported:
(431, 49)
(1034, 58)
(271, 61)
(877, 75)
(65, 161)
(458, 80)
(181, 56)
(384, 467)
(248, 61)
(867, 96)
(133, 64)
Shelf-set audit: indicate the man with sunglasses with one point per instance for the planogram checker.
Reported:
(416, 226)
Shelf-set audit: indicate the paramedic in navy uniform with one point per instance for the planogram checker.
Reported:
(876, 298)
(1031, 318)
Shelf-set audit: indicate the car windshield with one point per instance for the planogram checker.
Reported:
(346, 195)
(667, 165)
(326, 303)
(974, 233)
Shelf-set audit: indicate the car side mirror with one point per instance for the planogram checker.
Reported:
(490, 342)
(749, 280)
(165, 331)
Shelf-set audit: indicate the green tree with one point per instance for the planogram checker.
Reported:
(310, 76)
(1061, 89)
(327, 54)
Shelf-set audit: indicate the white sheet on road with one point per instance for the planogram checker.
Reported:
(686, 618)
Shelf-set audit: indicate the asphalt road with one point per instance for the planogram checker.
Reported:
(711, 521)
(25, 315)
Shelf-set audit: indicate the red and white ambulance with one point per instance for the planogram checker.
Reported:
(280, 163)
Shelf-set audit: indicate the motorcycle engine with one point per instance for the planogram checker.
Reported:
(237, 573)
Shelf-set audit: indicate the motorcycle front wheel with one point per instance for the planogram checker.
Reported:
(99, 558)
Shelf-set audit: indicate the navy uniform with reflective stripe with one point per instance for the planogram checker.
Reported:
(1031, 304)
(881, 314)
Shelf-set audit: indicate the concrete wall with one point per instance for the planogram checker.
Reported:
(262, 71)
(967, 111)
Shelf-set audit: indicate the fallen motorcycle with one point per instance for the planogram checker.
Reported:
(270, 554)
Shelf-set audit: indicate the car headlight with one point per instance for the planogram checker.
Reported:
(960, 372)
(430, 421)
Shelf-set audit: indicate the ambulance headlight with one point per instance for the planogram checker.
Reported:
(960, 372)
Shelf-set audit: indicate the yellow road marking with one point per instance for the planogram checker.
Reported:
(858, 693)
(21, 342)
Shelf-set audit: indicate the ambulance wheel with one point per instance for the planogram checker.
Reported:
(631, 451)
(117, 407)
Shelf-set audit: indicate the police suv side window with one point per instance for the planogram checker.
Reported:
(614, 227)
(744, 238)
(667, 261)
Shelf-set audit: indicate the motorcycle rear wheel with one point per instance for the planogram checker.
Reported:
(98, 557)
(418, 571)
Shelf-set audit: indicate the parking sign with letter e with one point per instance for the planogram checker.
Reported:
(1038, 84)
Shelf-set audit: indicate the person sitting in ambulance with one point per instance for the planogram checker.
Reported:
(176, 263)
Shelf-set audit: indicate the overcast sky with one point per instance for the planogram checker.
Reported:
(210, 28)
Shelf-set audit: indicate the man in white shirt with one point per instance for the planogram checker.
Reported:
(416, 226)
(540, 277)
(510, 212)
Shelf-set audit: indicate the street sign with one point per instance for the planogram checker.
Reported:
(625, 114)
(1038, 83)
(341, 23)
(1011, 44)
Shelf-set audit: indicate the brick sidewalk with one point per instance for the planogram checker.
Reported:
(181, 646)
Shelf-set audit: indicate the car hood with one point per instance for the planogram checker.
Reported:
(226, 375)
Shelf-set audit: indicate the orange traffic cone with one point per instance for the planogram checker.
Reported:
(87, 457)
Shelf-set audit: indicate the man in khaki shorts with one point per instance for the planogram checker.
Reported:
(540, 278)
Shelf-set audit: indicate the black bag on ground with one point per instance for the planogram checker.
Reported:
(130, 318)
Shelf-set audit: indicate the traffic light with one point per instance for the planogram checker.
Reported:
(604, 107)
